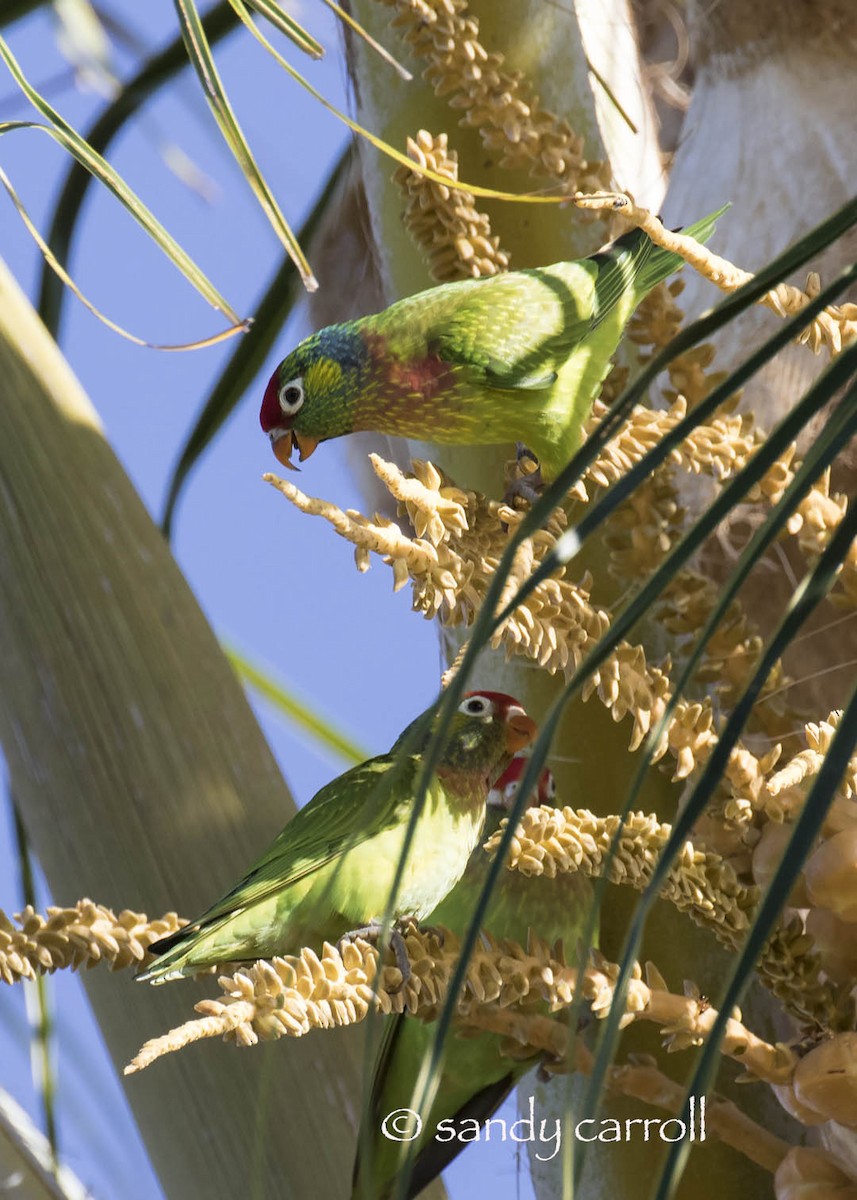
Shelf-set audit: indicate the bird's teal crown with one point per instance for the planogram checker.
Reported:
(314, 386)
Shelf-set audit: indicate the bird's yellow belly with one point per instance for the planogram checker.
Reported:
(436, 861)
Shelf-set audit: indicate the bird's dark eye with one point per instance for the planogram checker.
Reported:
(512, 789)
(551, 788)
(475, 706)
(291, 396)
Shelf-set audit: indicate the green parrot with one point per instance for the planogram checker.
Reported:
(330, 872)
(475, 1077)
(517, 357)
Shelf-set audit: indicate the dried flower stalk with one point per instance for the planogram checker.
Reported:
(639, 1079)
(451, 566)
(461, 537)
(759, 789)
(655, 324)
(718, 447)
(290, 996)
(643, 1081)
(807, 763)
(644, 529)
(700, 883)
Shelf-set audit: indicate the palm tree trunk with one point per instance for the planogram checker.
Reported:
(142, 778)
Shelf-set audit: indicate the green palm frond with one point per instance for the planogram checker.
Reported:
(67, 137)
(160, 70)
(270, 316)
(807, 826)
(13, 10)
(295, 710)
(280, 19)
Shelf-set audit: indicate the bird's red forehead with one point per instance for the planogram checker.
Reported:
(271, 415)
(501, 699)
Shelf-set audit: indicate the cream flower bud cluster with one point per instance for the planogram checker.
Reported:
(84, 935)
(444, 222)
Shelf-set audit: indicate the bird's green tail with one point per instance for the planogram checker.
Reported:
(168, 950)
(633, 261)
(188, 943)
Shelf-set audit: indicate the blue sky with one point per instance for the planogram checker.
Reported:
(351, 647)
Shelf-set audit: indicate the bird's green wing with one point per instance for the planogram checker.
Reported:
(356, 806)
(514, 331)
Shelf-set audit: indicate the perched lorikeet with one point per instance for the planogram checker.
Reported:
(331, 870)
(518, 357)
(475, 1077)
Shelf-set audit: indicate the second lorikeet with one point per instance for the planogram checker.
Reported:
(517, 357)
(475, 1076)
(330, 872)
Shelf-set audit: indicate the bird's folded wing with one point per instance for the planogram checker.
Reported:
(356, 806)
(516, 330)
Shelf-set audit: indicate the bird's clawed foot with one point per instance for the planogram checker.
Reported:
(525, 482)
(547, 1067)
(376, 933)
(407, 924)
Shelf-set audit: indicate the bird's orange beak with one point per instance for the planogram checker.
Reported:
(282, 447)
(305, 444)
(520, 731)
(287, 440)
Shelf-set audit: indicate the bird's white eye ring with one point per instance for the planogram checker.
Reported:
(512, 789)
(291, 396)
(475, 706)
(550, 787)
